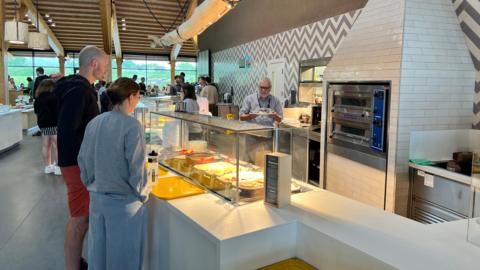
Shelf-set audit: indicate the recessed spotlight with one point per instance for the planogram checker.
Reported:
(47, 15)
(29, 19)
(53, 24)
(123, 19)
(50, 20)
(124, 28)
(124, 24)
(33, 23)
(26, 14)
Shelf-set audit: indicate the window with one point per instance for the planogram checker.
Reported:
(158, 71)
(187, 66)
(22, 64)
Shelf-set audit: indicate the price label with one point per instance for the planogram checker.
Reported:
(421, 173)
(428, 180)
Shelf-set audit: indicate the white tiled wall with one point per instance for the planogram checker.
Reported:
(436, 81)
(371, 52)
(418, 46)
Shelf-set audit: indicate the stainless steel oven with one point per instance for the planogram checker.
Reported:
(357, 121)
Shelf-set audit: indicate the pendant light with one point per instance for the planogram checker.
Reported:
(37, 40)
(16, 32)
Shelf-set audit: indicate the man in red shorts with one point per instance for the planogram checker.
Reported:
(77, 105)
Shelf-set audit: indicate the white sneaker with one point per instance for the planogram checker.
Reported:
(49, 169)
(57, 170)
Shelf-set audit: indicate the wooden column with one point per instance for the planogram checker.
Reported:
(119, 66)
(3, 57)
(61, 64)
(172, 71)
(106, 23)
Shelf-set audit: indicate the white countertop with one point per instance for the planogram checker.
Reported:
(395, 240)
(465, 179)
(10, 112)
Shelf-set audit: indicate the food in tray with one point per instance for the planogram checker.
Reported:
(175, 162)
(228, 180)
(216, 168)
(244, 176)
(264, 111)
(200, 158)
(251, 189)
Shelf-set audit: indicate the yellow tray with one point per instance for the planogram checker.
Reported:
(175, 187)
(290, 264)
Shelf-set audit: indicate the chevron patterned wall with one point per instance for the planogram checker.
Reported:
(468, 12)
(316, 40)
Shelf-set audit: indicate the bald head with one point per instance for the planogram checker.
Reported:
(90, 53)
(93, 63)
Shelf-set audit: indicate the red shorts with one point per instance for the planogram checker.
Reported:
(77, 193)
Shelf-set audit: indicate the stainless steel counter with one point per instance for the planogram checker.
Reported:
(464, 179)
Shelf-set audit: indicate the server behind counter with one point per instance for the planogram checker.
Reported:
(261, 107)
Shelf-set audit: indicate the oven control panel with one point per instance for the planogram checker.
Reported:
(378, 121)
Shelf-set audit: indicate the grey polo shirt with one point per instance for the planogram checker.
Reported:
(253, 103)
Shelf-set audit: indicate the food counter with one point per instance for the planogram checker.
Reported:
(220, 230)
(324, 229)
(224, 156)
(11, 129)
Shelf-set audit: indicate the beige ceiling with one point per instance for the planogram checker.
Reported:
(78, 23)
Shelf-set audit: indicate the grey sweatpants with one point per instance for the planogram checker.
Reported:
(116, 232)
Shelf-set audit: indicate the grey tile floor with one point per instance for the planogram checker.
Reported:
(33, 211)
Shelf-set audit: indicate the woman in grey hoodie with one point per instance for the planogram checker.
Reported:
(112, 164)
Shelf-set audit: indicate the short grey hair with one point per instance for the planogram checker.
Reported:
(89, 53)
(265, 79)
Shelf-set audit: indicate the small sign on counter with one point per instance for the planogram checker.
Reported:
(428, 180)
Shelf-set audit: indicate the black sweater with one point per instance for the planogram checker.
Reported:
(77, 105)
(45, 107)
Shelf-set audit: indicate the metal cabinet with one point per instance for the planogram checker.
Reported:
(447, 200)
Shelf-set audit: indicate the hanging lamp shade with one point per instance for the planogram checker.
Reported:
(16, 32)
(38, 41)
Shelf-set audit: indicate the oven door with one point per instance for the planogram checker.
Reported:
(354, 99)
(356, 133)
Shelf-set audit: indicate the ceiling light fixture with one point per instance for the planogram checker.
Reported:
(37, 40)
(16, 32)
(123, 19)
(53, 24)
(47, 15)
(50, 20)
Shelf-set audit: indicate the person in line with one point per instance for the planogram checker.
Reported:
(105, 104)
(134, 77)
(40, 77)
(29, 86)
(102, 87)
(11, 84)
(77, 105)
(191, 106)
(211, 93)
(262, 101)
(190, 99)
(45, 107)
(112, 162)
(182, 74)
(177, 88)
(143, 88)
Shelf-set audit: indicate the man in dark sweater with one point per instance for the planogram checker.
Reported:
(77, 105)
(40, 77)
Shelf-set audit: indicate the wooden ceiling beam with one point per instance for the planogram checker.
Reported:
(116, 34)
(44, 28)
(106, 22)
